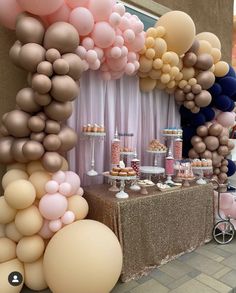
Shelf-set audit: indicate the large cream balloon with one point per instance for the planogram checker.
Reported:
(2, 230)
(6, 270)
(12, 233)
(211, 38)
(8, 250)
(180, 31)
(13, 175)
(83, 257)
(7, 213)
(17, 166)
(34, 166)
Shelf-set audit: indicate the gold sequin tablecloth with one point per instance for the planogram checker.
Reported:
(154, 228)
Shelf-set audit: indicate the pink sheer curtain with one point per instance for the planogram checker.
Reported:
(118, 103)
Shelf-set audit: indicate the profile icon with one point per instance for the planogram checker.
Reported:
(15, 279)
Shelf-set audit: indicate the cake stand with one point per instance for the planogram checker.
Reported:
(201, 170)
(150, 170)
(92, 136)
(124, 156)
(121, 194)
(156, 154)
(185, 180)
(144, 187)
(170, 138)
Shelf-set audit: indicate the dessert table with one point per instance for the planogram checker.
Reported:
(154, 228)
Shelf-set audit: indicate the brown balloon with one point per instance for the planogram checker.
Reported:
(42, 100)
(222, 177)
(206, 79)
(179, 95)
(203, 99)
(61, 36)
(52, 55)
(33, 150)
(52, 142)
(206, 155)
(231, 145)
(189, 59)
(3, 131)
(202, 131)
(68, 138)
(25, 100)
(196, 89)
(189, 104)
(64, 88)
(38, 136)
(61, 67)
(75, 65)
(212, 143)
(42, 115)
(16, 123)
(45, 68)
(224, 169)
(17, 152)
(225, 163)
(224, 140)
(41, 83)
(52, 161)
(193, 154)
(14, 53)
(58, 111)
(216, 158)
(204, 61)
(52, 127)
(215, 129)
(190, 97)
(223, 150)
(5, 150)
(217, 171)
(29, 78)
(195, 46)
(31, 55)
(195, 110)
(199, 147)
(36, 124)
(29, 30)
(187, 89)
(195, 139)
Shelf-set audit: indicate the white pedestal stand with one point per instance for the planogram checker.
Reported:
(201, 180)
(150, 170)
(156, 154)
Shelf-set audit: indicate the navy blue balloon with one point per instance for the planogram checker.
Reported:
(231, 106)
(185, 113)
(233, 97)
(228, 85)
(215, 90)
(222, 103)
(231, 168)
(208, 112)
(231, 72)
(198, 120)
(188, 133)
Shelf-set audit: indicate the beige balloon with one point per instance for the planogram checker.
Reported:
(145, 64)
(75, 65)
(2, 230)
(34, 167)
(64, 88)
(147, 84)
(79, 206)
(39, 179)
(25, 100)
(61, 67)
(91, 269)
(41, 83)
(16, 166)
(31, 55)
(52, 161)
(34, 277)
(7, 213)
(14, 53)
(216, 55)
(12, 232)
(17, 123)
(8, 250)
(45, 68)
(36, 124)
(204, 47)
(188, 73)
(68, 138)
(13, 175)
(5, 269)
(221, 69)
(65, 165)
(160, 47)
(33, 150)
(211, 38)
(52, 55)
(58, 111)
(27, 194)
(42, 100)
(29, 221)
(30, 248)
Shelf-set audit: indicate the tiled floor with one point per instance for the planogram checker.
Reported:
(209, 269)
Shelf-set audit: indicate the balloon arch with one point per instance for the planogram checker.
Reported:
(57, 41)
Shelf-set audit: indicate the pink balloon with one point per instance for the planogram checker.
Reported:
(65, 189)
(106, 75)
(101, 9)
(137, 65)
(68, 218)
(40, 7)
(124, 51)
(119, 41)
(81, 52)
(77, 3)
(104, 67)
(103, 35)
(117, 64)
(226, 119)
(132, 57)
(85, 65)
(55, 225)
(96, 65)
(91, 56)
(62, 14)
(53, 206)
(116, 52)
(115, 19)
(100, 52)
(119, 8)
(88, 43)
(124, 23)
(226, 200)
(73, 179)
(136, 26)
(232, 211)
(51, 187)
(129, 68)
(59, 177)
(8, 12)
(82, 19)
(117, 75)
(138, 43)
(80, 192)
(45, 232)
(129, 35)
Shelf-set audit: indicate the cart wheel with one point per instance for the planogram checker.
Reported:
(223, 232)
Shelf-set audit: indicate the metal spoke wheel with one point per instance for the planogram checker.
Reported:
(223, 232)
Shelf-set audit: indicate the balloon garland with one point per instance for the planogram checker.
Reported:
(57, 41)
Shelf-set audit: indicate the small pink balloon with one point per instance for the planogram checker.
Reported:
(137, 44)
(129, 68)
(115, 19)
(53, 206)
(40, 7)
(116, 52)
(124, 51)
(88, 43)
(119, 32)
(80, 192)
(91, 56)
(55, 225)
(117, 64)
(51, 187)
(81, 52)
(136, 26)
(106, 75)
(65, 189)
(103, 35)
(85, 65)
(82, 19)
(119, 41)
(132, 57)
(68, 218)
(128, 15)
(124, 24)
(226, 119)
(104, 67)
(73, 179)
(101, 9)
(8, 12)
(100, 52)
(226, 200)
(119, 8)
(96, 65)
(45, 232)
(129, 35)
(77, 3)
(137, 65)
(59, 176)
(62, 14)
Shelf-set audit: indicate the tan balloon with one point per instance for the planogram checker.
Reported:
(34, 167)
(224, 169)
(52, 161)
(52, 142)
(79, 206)
(216, 55)
(13, 175)
(225, 163)
(215, 129)
(160, 47)
(203, 99)
(17, 166)
(231, 145)
(12, 233)
(30, 248)
(52, 127)
(193, 154)
(3, 131)
(61, 36)
(188, 73)
(14, 53)
(211, 142)
(52, 55)
(7, 213)
(39, 179)
(33, 150)
(91, 259)
(31, 55)
(199, 147)
(2, 230)
(145, 64)
(202, 131)
(6, 268)
(36, 124)
(195, 46)
(223, 150)
(189, 104)
(61, 67)
(64, 88)
(34, 276)
(221, 69)
(155, 74)
(68, 138)
(39, 136)
(41, 83)
(147, 84)
(222, 177)
(25, 100)
(217, 171)
(17, 123)
(204, 62)
(204, 47)
(58, 111)
(42, 100)
(206, 79)
(195, 109)
(29, 221)
(189, 59)
(196, 89)
(75, 65)
(27, 194)
(224, 140)
(211, 38)
(216, 159)
(45, 68)
(206, 155)
(195, 139)
(8, 250)
(65, 165)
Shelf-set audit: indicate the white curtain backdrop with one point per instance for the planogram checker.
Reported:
(118, 103)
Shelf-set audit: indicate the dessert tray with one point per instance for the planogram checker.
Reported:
(144, 184)
(168, 187)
